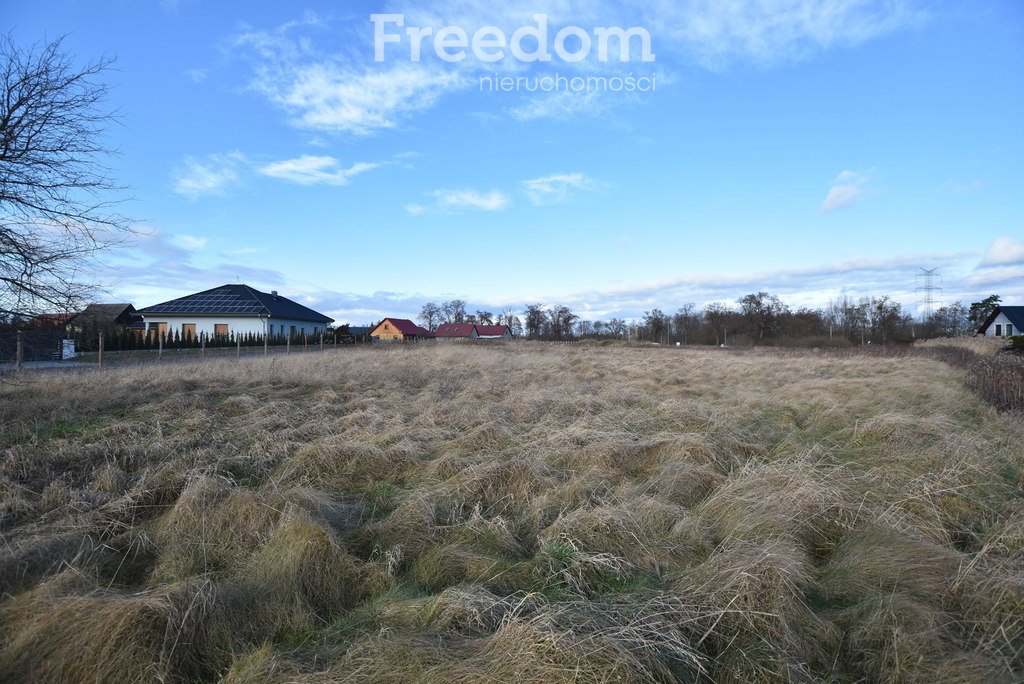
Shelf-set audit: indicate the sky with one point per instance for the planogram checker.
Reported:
(808, 149)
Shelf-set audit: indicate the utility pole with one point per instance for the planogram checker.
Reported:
(927, 289)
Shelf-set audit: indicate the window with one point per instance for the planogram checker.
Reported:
(386, 327)
(188, 331)
(999, 330)
(1009, 329)
(220, 329)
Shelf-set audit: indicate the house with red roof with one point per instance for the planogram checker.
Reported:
(399, 330)
(493, 332)
(460, 331)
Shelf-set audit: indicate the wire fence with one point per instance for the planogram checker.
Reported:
(24, 346)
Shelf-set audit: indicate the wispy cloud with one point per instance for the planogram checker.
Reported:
(952, 188)
(190, 242)
(466, 198)
(211, 175)
(334, 92)
(198, 75)
(768, 33)
(1004, 251)
(558, 187)
(312, 170)
(846, 189)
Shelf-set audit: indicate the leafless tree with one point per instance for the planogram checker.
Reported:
(57, 198)
(430, 315)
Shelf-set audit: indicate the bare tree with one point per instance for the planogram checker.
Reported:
(57, 197)
(430, 316)
(454, 311)
(536, 318)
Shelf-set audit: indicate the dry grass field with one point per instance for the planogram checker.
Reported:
(519, 513)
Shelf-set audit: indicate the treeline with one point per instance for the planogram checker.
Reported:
(758, 318)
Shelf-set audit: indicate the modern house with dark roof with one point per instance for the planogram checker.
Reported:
(1005, 321)
(398, 330)
(233, 309)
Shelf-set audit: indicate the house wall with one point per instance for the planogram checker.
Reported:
(387, 332)
(236, 324)
(1002, 321)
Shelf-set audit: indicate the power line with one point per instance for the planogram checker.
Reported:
(928, 288)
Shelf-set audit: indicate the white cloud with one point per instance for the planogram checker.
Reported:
(1004, 251)
(465, 198)
(767, 33)
(557, 187)
(190, 242)
(415, 209)
(334, 91)
(212, 175)
(311, 170)
(846, 189)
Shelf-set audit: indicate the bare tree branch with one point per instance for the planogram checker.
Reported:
(58, 200)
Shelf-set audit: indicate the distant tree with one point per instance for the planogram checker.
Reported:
(951, 321)
(617, 328)
(509, 317)
(762, 314)
(484, 317)
(717, 315)
(980, 311)
(454, 311)
(685, 321)
(56, 194)
(887, 319)
(655, 325)
(430, 316)
(535, 320)
(560, 321)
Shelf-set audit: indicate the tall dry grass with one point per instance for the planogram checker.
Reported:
(512, 513)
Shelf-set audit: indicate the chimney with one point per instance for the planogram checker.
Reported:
(273, 293)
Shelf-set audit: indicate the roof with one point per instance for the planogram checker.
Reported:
(107, 314)
(1014, 313)
(492, 330)
(405, 326)
(237, 300)
(53, 317)
(454, 330)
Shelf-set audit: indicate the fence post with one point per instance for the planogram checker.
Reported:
(305, 342)
(160, 346)
(101, 351)
(18, 350)
(288, 345)
(238, 343)
(202, 345)
(321, 341)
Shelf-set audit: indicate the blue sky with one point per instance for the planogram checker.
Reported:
(805, 148)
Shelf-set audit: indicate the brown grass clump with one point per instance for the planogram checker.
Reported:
(514, 513)
(106, 636)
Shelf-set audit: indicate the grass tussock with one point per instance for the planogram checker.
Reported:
(516, 513)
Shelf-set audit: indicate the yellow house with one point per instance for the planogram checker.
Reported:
(398, 329)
